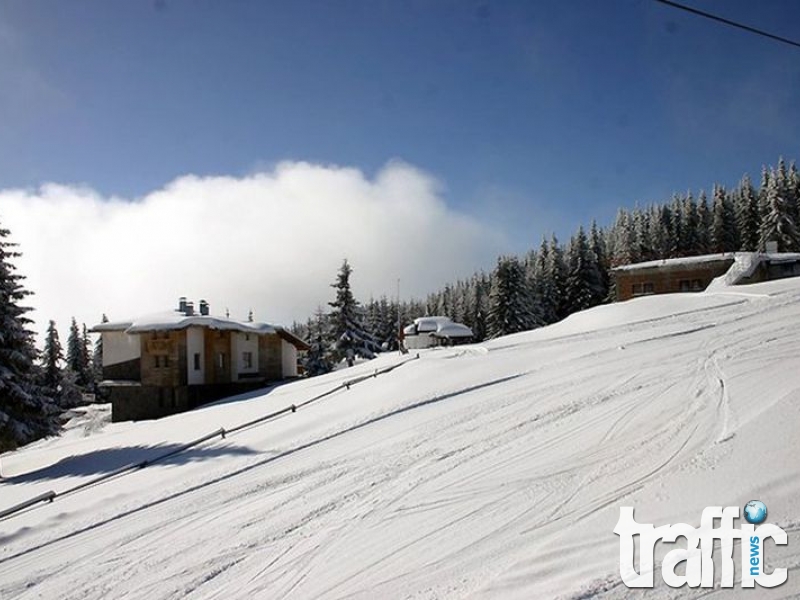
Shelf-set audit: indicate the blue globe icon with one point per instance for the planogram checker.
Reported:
(755, 512)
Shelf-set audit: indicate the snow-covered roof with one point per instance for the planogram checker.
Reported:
(453, 330)
(684, 261)
(779, 257)
(438, 326)
(429, 324)
(174, 320)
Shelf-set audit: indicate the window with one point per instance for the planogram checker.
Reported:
(221, 360)
(157, 361)
(648, 288)
(684, 285)
(196, 361)
(166, 361)
(697, 285)
(246, 337)
(247, 360)
(640, 289)
(637, 289)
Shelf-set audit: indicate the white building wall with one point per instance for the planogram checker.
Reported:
(288, 359)
(244, 342)
(195, 345)
(418, 342)
(119, 347)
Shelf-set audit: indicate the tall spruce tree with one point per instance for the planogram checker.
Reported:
(77, 359)
(52, 358)
(26, 411)
(315, 360)
(509, 299)
(777, 224)
(348, 333)
(97, 354)
(723, 228)
(584, 287)
(58, 384)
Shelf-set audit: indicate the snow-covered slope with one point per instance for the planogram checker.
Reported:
(492, 471)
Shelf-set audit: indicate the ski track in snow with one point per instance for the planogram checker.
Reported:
(488, 472)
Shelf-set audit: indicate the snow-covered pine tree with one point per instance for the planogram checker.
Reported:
(315, 360)
(704, 221)
(622, 251)
(584, 287)
(599, 245)
(777, 224)
(52, 358)
(643, 249)
(509, 299)
(747, 216)
(478, 306)
(97, 354)
(77, 355)
(27, 413)
(678, 235)
(58, 385)
(86, 348)
(763, 204)
(346, 321)
(556, 271)
(793, 192)
(690, 243)
(723, 227)
(542, 289)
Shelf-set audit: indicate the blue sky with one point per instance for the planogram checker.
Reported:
(534, 116)
(547, 112)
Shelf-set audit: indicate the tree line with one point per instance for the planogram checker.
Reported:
(554, 280)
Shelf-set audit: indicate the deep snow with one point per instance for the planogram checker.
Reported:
(487, 471)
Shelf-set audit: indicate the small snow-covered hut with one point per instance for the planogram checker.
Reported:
(426, 332)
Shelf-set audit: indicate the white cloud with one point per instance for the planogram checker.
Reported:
(270, 241)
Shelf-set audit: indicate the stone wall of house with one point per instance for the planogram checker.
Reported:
(138, 402)
(130, 370)
(163, 361)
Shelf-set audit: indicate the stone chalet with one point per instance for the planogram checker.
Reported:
(174, 361)
(695, 273)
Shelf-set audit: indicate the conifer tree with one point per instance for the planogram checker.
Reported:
(723, 228)
(52, 359)
(704, 222)
(777, 224)
(556, 271)
(747, 216)
(26, 411)
(77, 360)
(509, 299)
(346, 321)
(315, 360)
(690, 243)
(97, 355)
(584, 288)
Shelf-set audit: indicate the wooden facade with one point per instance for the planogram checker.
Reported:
(668, 277)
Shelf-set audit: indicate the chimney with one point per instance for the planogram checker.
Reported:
(204, 308)
(189, 309)
(182, 304)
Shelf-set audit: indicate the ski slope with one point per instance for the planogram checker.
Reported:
(486, 471)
